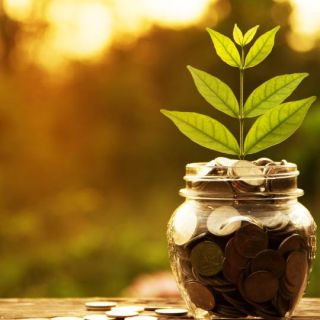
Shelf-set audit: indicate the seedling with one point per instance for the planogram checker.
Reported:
(277, 120)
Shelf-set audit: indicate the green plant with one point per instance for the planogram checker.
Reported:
(277, 120)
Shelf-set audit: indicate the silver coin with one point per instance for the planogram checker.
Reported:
(96, 317)
(225, 162)
(248, 173)
(273, 219)
(124, 313)
(184, 223)
(66, 318)
(206, 169)
(144, 318)
(172, 311)
(100, 305)
(220, 221)
(135, 308)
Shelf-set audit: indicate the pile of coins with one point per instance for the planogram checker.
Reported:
(240, 258)
(110, 310)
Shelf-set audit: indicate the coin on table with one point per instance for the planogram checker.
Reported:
(135, 308)
(143, 318)
(184, 223)
(200, 295)
(207, 258)
(218, 222)
(172, 311)
(294, 242)
(96, 317)
(269, 260)
(248, 173)
(66, 318)
(123, 313)
(260, 286)
(250, 240)
(100, 305)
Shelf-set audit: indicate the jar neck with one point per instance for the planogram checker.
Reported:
(278, 182)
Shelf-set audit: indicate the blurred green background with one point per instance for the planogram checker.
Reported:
(89, 169)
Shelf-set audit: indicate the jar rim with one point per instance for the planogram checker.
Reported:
(245, 181)
(193, 171)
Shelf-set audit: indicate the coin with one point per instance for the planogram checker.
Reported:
(207, 258)
(100, 305)
(269, 260)
(135, 308)
(231, 271)
(273, 219)
(200, 295)
(233, 256)
(262, 162)
(184, 223)
(250, 240)
(248, 173)
(217, 222)
(261, 286)
(294, 242)
(144, 318)
(171, 312)
(66, 318)
(225, 162)
(206, 169)
(121, 313)
(95, 317)
(296, 269)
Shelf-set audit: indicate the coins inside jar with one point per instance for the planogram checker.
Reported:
(242, 254)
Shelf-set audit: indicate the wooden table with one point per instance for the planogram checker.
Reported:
(47, 308)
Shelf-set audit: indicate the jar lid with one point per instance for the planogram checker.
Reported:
(225, 178)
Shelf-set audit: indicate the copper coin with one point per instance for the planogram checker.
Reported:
(269, 260)
(233, 256)
(296, 270)
(250, 240)
(231, 271)
(261, 286)
(207, 258)
(200, 295)
(294, 242)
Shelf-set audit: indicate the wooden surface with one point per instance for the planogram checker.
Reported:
(47, 308)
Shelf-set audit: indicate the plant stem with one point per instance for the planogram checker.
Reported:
(241, 117)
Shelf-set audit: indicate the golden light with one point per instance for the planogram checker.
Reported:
(79, 29)
(84, 29)
(19, 10)
(305, 24)
(177, 12)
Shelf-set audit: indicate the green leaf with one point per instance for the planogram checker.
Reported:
(271, 93)
(261, 48)
(225, 48)
(204, 131)
(249, 35)
(276, 125)
(216, 92)
(237, 35)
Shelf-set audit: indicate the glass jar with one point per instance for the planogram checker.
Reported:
(241, 244)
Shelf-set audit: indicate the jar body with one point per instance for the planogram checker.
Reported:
(241, 257)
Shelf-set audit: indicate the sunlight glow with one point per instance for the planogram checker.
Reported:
(79, 29)
(84, 29)
(19, 10)
(305, 24)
